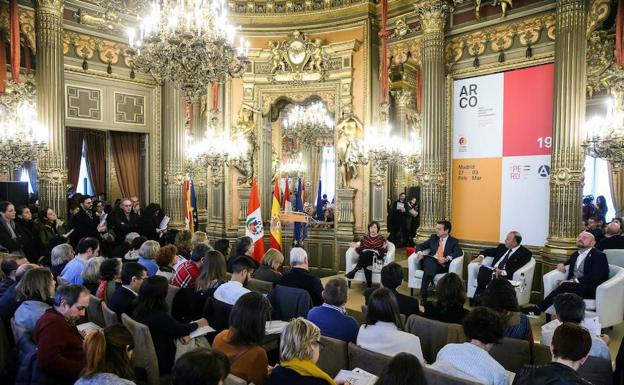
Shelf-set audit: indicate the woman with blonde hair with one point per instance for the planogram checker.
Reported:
(35, 291)
(270, 264)
(199, 237)
(147, 253)
(300, 347)
(108, 353)
(91, 274)
(183, 241)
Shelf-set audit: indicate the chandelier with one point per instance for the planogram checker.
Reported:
(384, 149)
(21, 138)
(189, 43)
(216, 150)
(605, 137)
(293, 166)
(308, 123)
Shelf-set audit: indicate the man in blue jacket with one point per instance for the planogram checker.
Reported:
(331, 317)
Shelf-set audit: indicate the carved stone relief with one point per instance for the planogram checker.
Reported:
(84, 103)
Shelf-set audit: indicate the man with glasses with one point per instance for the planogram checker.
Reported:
(87, 248)
(59, 343)
(124, 220)
(85, 223)
(132, 276)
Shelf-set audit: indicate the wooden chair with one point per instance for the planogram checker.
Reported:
(171, 293)
(334, 356)
(365, 359)
(144, 353)
(94, 311)
(259, 286)
(433, 334)
(110, 317)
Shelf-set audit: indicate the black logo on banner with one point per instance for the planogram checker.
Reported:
(468, 96)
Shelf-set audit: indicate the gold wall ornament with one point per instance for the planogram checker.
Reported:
(245, 126)
(349, 149)
(400, 29)
(55, 6)
(598, 12)
(90, 47)
(603, 72)
(504, 4)
(298, 58)
(108, 20)
(27, 27)
(405, 51)
(432, 14)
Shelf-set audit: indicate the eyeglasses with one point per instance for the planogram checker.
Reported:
(319, 344)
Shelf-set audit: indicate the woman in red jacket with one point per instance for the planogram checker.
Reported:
(370, 247)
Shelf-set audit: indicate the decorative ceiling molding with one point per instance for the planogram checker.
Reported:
(89, 47)
(598, 12)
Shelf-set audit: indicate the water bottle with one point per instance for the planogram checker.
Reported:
(522, 283)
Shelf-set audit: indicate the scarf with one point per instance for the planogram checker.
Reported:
(307, 368)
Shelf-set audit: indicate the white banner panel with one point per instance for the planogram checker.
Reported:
(478, 117)
(524, 197)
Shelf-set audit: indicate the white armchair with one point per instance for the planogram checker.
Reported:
(352, 259)
(615, 257)
(414, 280)
(522, 293)
(609, 303)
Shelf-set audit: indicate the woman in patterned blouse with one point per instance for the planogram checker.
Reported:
(371, 246)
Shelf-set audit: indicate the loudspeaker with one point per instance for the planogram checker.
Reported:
(14, 192)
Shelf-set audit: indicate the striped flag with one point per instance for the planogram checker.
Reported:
(298, 235)
(188, 204)
(253, 224)
(286, 205)
(275, 240)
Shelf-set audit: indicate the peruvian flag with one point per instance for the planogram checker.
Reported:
(286, 205)
(253, 224)
(275, 240)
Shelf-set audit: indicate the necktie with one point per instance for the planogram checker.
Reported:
(503, 261)
(440, 252)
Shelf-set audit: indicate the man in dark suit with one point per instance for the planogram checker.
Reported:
(300, 277)
(124, 221)
(613, 238)
(508, 257)
(587, 269)
(85, 223)
(442, 250)
(391, 278)
(132, 276)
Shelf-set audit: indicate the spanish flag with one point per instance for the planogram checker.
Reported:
(188, 204)
(275, 240)
(253, 224)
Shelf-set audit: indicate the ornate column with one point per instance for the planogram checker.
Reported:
(243, 195)
(379, 194)
(402, 100)
(215, 220)
(200, 175)
(432, 14)
(51, 103)
(173, 152)
(344, 218)
(566, 178)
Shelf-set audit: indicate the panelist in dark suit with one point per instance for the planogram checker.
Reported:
(442, 250)
(508, 258)
(587, 269)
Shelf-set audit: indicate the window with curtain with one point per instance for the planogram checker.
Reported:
(84, 186)
(328, 172)
(597, 182)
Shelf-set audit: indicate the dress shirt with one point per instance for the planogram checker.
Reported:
(579, 260)
(72, 272)
(386, 338)
(470, 362)
(230, 292)
(503, 272)
(598, 346)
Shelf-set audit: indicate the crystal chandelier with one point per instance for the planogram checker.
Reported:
(21, 138)
(293, 166)
(215, 150)
(605, 137)
(187, 42)
(308, 123)
(384, 149)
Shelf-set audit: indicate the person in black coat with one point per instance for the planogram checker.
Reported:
(569, 347)
(124, 221)
(613, 238)
(151, 310)
(300, 277)
(132, 276)
(508, 258)
(85, 223)
(29, 230)
(587, 269)
(11, 239)
(149, 223)
(391, 278)
(397, 221)
(442, 250)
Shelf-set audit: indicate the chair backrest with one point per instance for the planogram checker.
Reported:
(219, 314)
(144, 353)
(614, 270)
(512, 353)
(334, 356)
(259, 286)
(290, 302)
(110, 317)
(438, 378)
(61, 281)
(615, 257)
(171, 293)
(94, 311)
(365, 311)
(541, 354)
(233, 380)
(597, 370)
(434, 335)
(365, 359)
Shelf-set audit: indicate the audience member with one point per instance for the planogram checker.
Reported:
(569, 348)
(372, 246)
(382, 332)
(483, 328)
(601, 209)
(187, 274)
(442, 250)
(232, 290)
(151, 310)
(183, 241)
(133, 254)
(149, 222)
(508, 258)
(241, 343)
(166, 258)
(270, 265)
(300, 277)
(50, 227)
(132, 276)
(587, 269)
(397, 221)
(29, 230)
(588, 208)
(10, 237)
(87, 248)
(147, 253)
(202, 366)
(299, 353)
(403, 369)
(595, 228)
(91, 274)
(108, 357)
(199, 237)
(9, 268)
(35, 293)
(391, 278)
(84, 223)
(449, 305)
(213, 273)
(8, 302)
(120, 250)
(613, 238)
(110, 278)
(124, 221)
(244, 249)
(570, 308)
(59, 343)
(500, 296)
(331, 317)
(223, 246)
(59, 257)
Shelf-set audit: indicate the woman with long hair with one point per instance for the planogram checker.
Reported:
(403, 369)
(110, 278)
(108, 353)
(244, 249)
(601, 209)
(50, 227)
(500, 296)
(213, 273)
(35, 291)
(451, 297)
